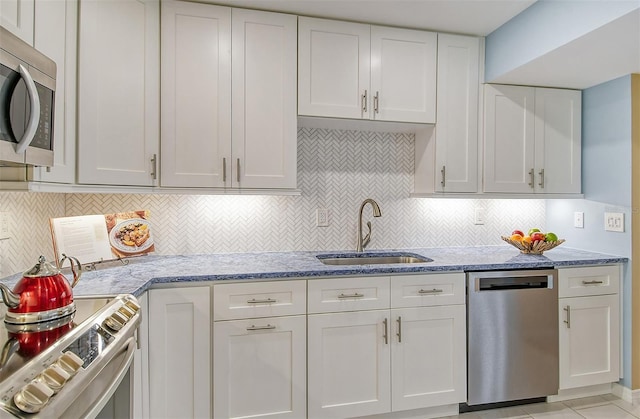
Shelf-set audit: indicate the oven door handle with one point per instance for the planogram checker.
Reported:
(115, 382)
(34, 117)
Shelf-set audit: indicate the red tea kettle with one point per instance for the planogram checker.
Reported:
(43, 293)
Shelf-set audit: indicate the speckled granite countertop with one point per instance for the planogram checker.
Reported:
(144, 272)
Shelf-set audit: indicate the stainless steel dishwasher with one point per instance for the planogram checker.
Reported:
(512, 343)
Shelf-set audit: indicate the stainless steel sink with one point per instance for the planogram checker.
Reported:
(372, 259)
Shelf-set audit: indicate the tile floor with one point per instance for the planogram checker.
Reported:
(596, 407)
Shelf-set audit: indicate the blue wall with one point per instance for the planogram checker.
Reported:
(545, 26)
(606, 184)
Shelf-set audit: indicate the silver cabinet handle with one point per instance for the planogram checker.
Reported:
(364, 101)
(34, 118)
(568, 321)
(541, 173)
(354, 295)
(267, 327)
(376, 100)
(399, 334)
(154, 167)
(385, 322)
(224, 170)
(592, 282)
(431, 291)
(532, 178)
(442, 182)
(264, 301)
(238, 171)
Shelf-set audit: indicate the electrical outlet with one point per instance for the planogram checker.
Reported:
(578, 219)
(479, 215)
(614, 221)
(322, 217)
(4, 226)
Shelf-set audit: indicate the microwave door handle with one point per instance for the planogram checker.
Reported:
(34, 118)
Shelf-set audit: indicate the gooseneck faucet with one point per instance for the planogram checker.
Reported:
(364, 241)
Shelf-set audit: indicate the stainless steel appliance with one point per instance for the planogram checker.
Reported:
(68, 367)
(27, 91)
(512, 345)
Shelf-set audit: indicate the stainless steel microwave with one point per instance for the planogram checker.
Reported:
(27, 95)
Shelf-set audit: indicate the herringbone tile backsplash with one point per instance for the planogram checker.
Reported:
(337, 170)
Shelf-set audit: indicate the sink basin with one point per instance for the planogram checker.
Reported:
(372, 259)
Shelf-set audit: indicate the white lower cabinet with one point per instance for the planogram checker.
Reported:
(428, 354)
(349, 364)
(260, 368)
(180, 353)
(260, 350)
(411, 355)
(589, 313)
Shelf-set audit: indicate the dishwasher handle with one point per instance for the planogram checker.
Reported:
(514, 282)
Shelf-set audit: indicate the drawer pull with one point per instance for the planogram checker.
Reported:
(385, 324)
(354, 295)
(432, 291)
(265, 301)
(568, 321)
(267, 327)
(592, 282)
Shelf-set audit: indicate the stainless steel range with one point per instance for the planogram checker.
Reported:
(71, 366)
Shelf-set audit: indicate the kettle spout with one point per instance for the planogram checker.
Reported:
(11, 299)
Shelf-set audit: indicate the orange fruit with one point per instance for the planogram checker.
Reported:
(526, 239)
(516, 237)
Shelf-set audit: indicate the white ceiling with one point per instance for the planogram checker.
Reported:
(473, 17)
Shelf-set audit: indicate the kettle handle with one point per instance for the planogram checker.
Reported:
(76, 275)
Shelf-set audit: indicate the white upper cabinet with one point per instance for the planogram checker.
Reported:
(17, 16)
(55, 35)
(403, 75)
(357, 71)
(196, 94)
(532, 140)
(264, 126)
(211, 138)
(333, 68)
(447, 155)
(118, 102)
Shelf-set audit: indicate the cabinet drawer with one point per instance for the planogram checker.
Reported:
(348, 294)
(427, 290)
(591, 280)
(259, 299)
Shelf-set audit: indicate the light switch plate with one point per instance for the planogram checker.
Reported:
(478, 216)
(614, 221)
(578, 219)
(322, 217)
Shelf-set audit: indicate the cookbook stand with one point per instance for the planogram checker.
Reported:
(99, 239)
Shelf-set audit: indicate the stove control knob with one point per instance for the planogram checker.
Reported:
(126, 312)
(70, 363)
(115, 323)
(32, 397)
(134, 306)
(54, 377)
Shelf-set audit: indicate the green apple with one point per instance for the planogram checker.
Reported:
(551, 237)
(533, 230)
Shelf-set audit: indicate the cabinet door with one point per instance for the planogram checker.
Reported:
(428, 357)
(179, 353)
(264, 81)
(457, 109)
(333, 68)
(558, 140)
(403, 75)
(260, 368)
(349, 370)
(589, 340)
(118, 104)
(17, 17)
(196, 94)
(56, 36)
(509, 139)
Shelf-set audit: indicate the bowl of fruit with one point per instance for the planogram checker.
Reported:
(534, 242)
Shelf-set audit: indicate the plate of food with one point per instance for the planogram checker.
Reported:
(131, 236)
